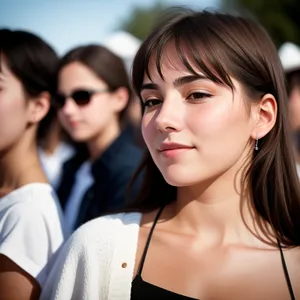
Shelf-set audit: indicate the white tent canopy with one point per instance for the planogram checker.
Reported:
(124, 45)
(289, 54)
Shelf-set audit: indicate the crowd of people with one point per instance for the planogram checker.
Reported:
(176, 179)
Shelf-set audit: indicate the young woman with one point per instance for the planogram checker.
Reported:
(93, 94)
(218, 214)
(30, 215)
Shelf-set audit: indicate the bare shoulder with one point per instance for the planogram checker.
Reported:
(148, 218)
(163, 216)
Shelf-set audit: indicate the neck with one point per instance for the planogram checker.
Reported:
(19, 165)
(52, 139)
(214, 212)
(103, 140)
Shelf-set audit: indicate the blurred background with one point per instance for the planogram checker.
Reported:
(68, 23)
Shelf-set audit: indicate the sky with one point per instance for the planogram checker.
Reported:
(68, 23)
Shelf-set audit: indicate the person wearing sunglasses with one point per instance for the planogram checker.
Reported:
(31, 219)
(93, 94)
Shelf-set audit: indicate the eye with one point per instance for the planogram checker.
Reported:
(151, 102)
(198, 96)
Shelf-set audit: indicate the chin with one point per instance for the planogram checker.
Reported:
(80, 138)
(179, 178)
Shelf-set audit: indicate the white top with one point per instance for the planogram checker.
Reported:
(30, 228)
(89, 266)
(83, 180)
(52, 164)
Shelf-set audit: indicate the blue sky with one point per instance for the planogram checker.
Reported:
(68, 23)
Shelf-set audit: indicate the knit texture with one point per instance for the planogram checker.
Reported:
(97, 262)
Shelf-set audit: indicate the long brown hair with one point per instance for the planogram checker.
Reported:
(223, 46)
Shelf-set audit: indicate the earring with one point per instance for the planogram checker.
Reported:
(256, 144)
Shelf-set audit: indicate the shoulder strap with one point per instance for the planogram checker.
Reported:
(286, 273)
(148, 242)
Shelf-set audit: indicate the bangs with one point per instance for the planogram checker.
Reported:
(203, 53)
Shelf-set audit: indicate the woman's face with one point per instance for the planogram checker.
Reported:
(195, 129)
(14, 109)
(85, 122)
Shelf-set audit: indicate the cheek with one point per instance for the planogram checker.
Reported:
(98, 111)
(221, 134)
(208, 122)
(148, 129)
(12, 123)
(62, 117)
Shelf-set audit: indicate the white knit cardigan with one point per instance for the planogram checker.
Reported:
(97, 262)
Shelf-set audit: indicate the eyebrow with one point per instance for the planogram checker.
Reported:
(188, 79)
(149, 86)
(177, 82)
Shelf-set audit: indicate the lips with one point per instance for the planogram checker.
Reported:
(173, 146)
(73, 123)
(172, 150)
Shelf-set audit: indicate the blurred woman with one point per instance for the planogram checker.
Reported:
(30, 215)
(290, 57)
(93, 96)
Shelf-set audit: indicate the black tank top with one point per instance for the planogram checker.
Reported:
(142, 290)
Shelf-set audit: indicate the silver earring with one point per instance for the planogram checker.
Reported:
(256, 144)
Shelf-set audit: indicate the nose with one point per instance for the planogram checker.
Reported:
(69, 108)
(170, 115)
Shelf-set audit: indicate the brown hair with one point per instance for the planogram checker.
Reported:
(223, 46)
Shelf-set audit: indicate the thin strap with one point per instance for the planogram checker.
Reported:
(286, 273)
(148, 241)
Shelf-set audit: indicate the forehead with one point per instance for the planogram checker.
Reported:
(78, 74)
(177, 60)
(167, 66)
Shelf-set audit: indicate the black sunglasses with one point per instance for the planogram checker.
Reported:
(81, 97)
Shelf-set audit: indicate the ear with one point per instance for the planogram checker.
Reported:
(39, 107)
(265, 115)
(121, 97)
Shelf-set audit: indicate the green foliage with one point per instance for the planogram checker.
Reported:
(142, 20)
(280, 17)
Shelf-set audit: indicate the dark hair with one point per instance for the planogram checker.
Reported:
(34, 63)
(223, 46)
(102, 62)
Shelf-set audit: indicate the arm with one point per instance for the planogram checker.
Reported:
(15, 283)
(26, 247)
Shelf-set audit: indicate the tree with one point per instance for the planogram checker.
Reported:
(280, 17)
(142, 20)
